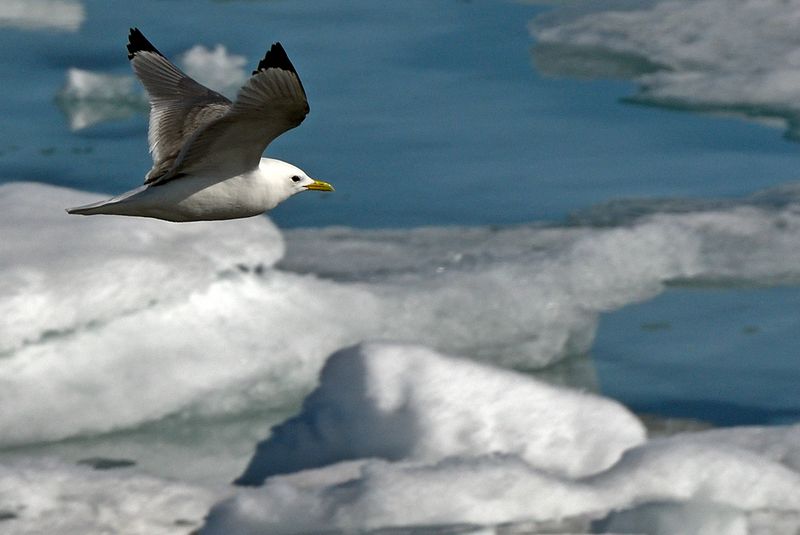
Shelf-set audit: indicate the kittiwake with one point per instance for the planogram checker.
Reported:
(206, 150)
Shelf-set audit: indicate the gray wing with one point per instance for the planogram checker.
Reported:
(179, 105)
(270, 103)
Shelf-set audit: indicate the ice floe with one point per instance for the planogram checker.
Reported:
(737, 56)
(89, 97)
(47, 496)
(471, 449)
(407, 402)
(198, 318)
(66, 15)
(444, 442)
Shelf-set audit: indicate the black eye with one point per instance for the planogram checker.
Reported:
(296, 178)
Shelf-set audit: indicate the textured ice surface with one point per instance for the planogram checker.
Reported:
(467, 444)
(733, 55)
(408, 402)
(496, 490)
(491, 451)
(46, 496)
(89, 308)
(196, 318)
(66, 15)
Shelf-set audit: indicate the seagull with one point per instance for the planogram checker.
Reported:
(206, 150)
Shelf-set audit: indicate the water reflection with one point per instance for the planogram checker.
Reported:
(89, 98)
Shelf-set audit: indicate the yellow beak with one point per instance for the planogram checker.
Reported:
(319, 185)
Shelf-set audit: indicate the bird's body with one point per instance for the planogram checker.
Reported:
(200, 198)
(207, 162)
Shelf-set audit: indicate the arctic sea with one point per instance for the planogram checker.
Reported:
(556, 289)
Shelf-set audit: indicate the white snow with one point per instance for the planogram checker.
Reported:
(481, 450)
(87, 85)
(408, 402)
(66, 15)
(462, 443)
(736, 55)
(47, 496)
(196, 318)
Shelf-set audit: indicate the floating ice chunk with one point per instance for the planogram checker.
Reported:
(709, 486)
(778, 443)
(470, 445)
(50, 497)
(408, 402)
(196, 318)
(708, 54)
(672, 519)
(101, 268)
(89, 98)
(480, 491)
(65, 15)
(217, 69)
(475, 445)
(88, 85)
(680, 469)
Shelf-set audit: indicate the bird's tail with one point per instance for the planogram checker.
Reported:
(118, 205)
(102, 207)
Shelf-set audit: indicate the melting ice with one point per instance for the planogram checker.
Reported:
(746, 61)
(221, 319)
(226, 329)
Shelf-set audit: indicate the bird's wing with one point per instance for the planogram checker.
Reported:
(270, 103)
(178, 104)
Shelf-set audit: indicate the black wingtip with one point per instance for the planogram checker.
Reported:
(275, 58)
(137, 42)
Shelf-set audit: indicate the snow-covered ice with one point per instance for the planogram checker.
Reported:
(407, 402)
(481, 450)
(435, 452)
(64, 15)
(111, 323)
(739, 56)
(47, 496)
(198, 318)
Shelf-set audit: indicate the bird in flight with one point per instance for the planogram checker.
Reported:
(206, 150)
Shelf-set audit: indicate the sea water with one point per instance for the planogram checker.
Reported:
(599, 199)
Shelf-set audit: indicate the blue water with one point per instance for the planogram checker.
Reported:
(422, 114)
(431, 113)
(728, 356)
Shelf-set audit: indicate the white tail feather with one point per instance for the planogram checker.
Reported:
(103, 207)
(113, 206)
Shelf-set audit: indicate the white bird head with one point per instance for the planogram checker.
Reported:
(285, 179)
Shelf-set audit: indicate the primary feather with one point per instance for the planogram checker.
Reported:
(194, 129)
(206, 150)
